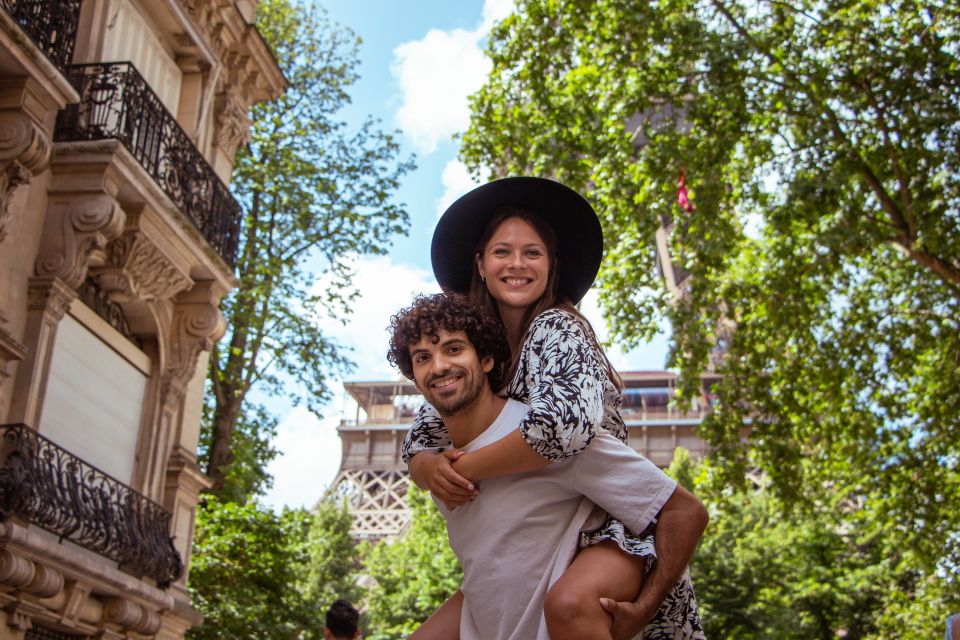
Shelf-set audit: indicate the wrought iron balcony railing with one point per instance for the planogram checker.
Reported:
(44, 485)
(116, 102)
(51, 24)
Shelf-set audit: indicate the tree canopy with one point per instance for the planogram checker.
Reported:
(259, 574)
(316, 194)
(412, 575)
(820, 145)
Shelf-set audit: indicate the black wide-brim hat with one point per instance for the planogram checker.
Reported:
(575, 223)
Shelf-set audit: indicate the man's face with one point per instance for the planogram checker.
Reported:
(448, 372)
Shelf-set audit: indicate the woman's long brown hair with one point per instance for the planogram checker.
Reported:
(551, 298)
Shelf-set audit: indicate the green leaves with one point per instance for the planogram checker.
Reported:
(257, 574)
(413, 575)
(819, 141)
(316, 194)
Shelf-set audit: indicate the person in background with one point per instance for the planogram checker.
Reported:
(342, 621)
(953, 627)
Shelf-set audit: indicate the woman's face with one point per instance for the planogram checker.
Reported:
(515, 265)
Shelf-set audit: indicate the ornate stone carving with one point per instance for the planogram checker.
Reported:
(14, 175)
(137, 270)
(74, 230)
(129, 615)
(15, 570)
(77, 594)
(21, 140)
(121, 611)
(24, 151)
(233, 128)
(197, 324)
(149, 622)
(46, 583)
(51, 296)
(18, 619)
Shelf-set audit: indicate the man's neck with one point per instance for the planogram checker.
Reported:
(468, 423)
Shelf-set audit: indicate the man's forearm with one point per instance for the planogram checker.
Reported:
(679, 527)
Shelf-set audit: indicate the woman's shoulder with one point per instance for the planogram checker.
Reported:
(554, 319)
(554, 316)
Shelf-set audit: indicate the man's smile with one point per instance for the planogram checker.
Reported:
(446, 381)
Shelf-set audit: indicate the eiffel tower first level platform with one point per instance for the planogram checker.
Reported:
(374, 480)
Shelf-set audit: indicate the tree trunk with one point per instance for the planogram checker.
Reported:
(221, 455)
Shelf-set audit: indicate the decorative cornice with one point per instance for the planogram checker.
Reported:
(50, 295)
(252, 70)
(75, 229)
(137, 269)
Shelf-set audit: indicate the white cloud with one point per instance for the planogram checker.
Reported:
(437, 73)
(495, 10)
(308, 462)
(310, 447)
(456, 180)
(384, 288)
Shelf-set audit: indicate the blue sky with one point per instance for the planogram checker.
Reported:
(420, 59)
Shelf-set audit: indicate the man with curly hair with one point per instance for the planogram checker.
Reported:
(517, 537)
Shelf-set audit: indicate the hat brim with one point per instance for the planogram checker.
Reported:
(575, 223)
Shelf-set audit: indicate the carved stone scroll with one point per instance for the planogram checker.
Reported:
(75, 229)
(197, 324)
(24, 152)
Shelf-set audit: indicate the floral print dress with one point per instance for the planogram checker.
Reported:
(562, 376)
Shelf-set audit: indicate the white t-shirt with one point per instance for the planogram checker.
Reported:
(519, 536)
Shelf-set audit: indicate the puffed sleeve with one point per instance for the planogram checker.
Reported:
(565, 375)
(428, 433)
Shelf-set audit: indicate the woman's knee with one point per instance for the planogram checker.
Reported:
(567, 601)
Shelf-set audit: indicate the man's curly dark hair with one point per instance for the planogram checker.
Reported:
(451, 312)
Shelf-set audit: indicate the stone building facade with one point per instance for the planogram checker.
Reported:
(119, 120)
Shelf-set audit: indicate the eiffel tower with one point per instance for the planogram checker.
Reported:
(374, 480)
(372, 477)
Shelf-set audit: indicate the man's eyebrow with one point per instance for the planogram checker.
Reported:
(448, 342)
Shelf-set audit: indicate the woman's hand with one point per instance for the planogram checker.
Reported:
(433, 471)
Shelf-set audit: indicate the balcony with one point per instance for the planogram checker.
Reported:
(116, 102)
(50, 24)
(45, 486)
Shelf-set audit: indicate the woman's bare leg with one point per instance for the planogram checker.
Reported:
(572, 608)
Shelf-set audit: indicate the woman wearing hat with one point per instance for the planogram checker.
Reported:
(528, 249)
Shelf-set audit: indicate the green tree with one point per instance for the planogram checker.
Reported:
(316, 194)
(762, 574)
(259, 574)
(334, 558)
(820, 145)
(413, 575)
